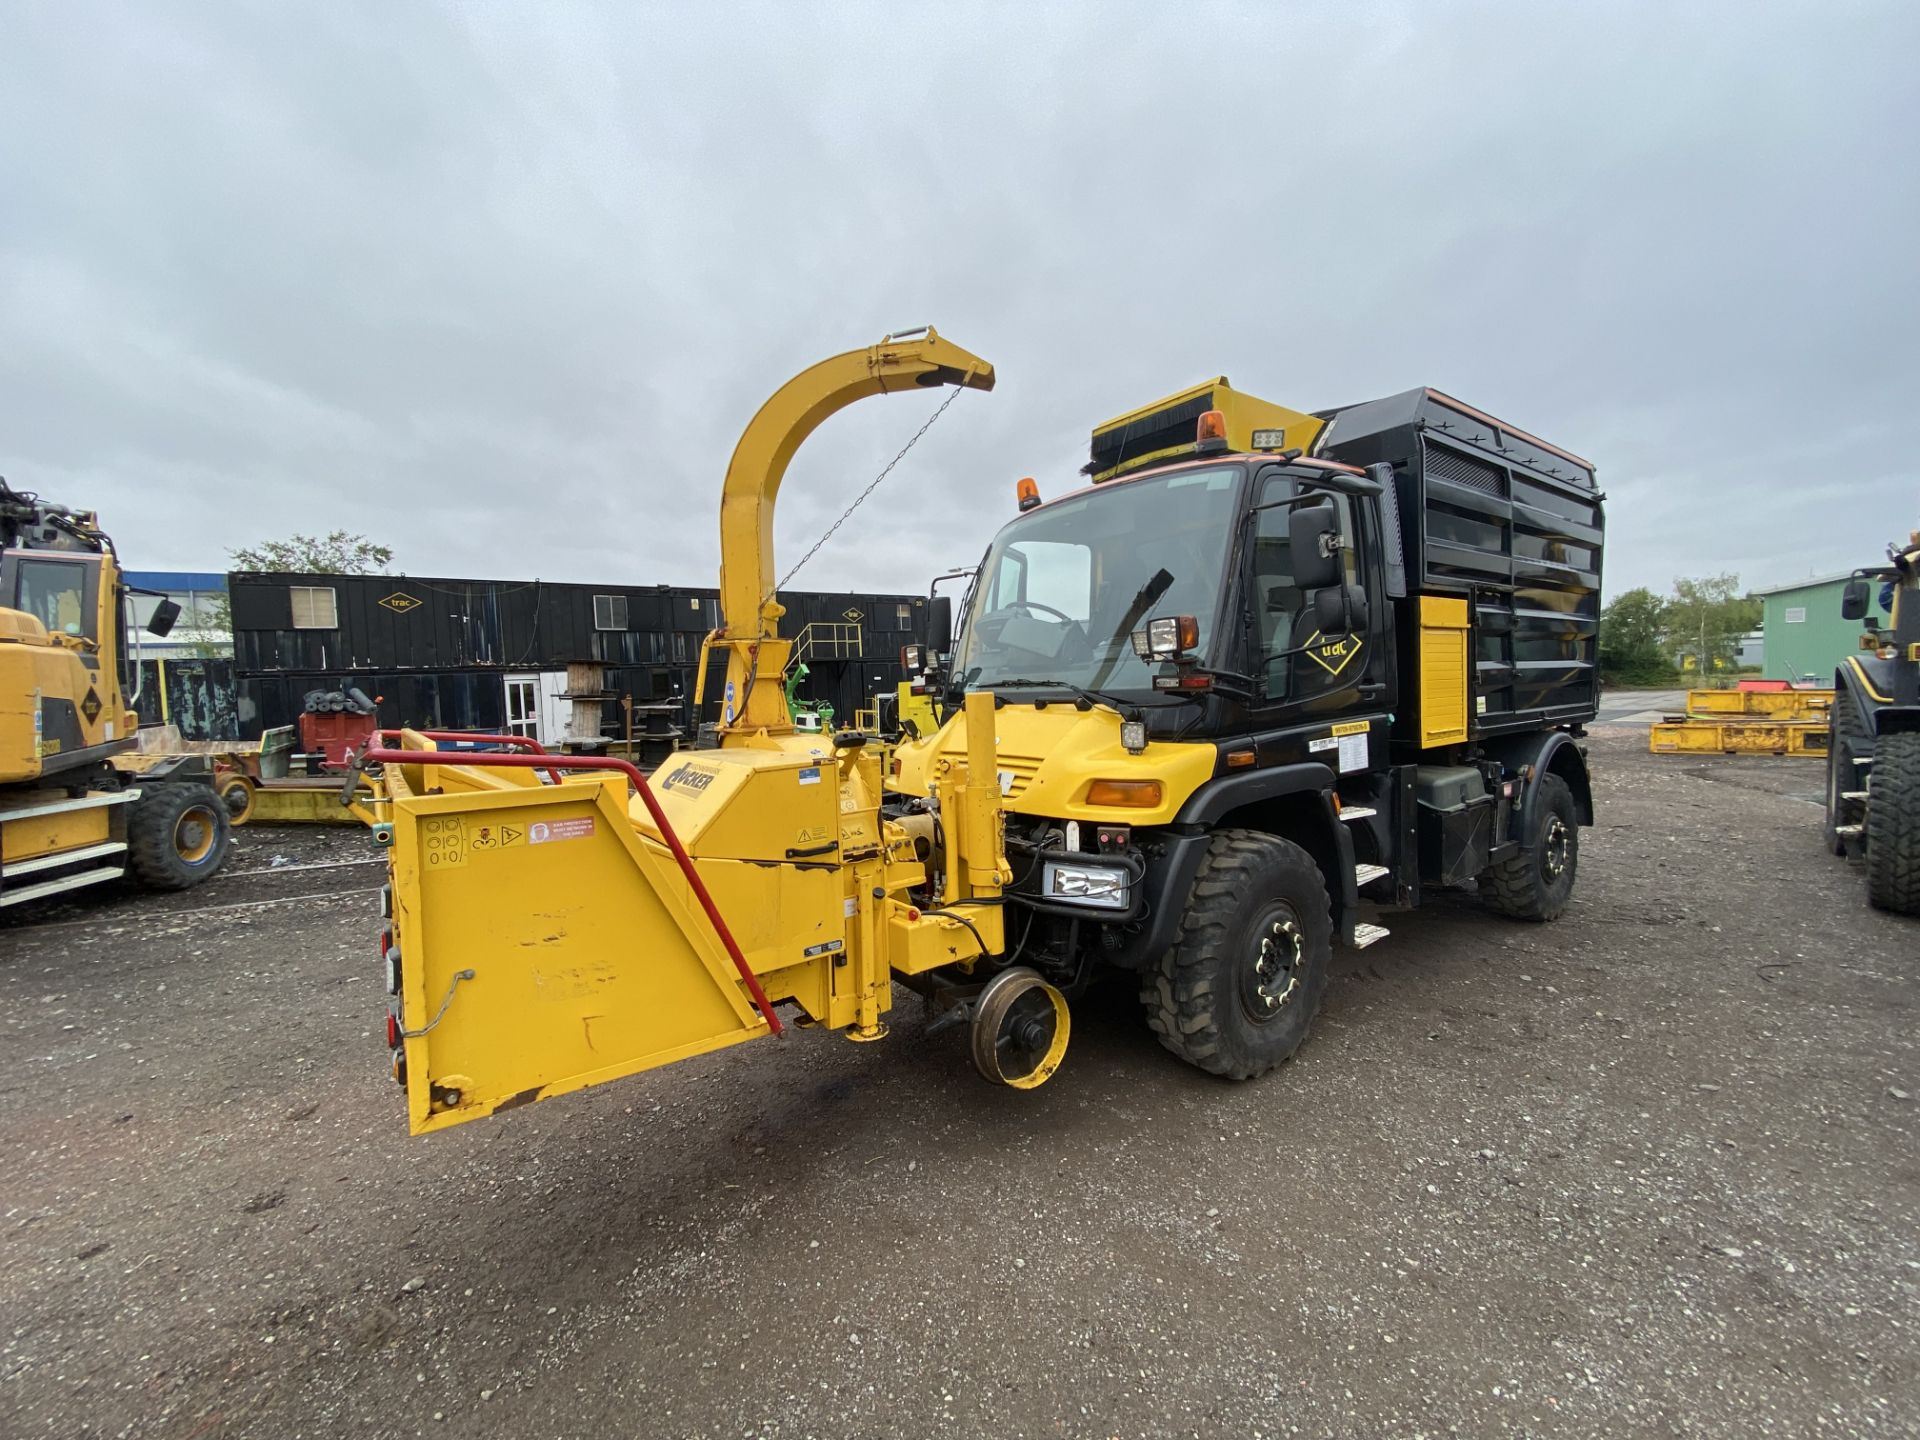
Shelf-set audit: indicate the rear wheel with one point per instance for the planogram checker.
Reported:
(1238, 989)
(1537, 883)
(1843, 722)
(1893, 825)
(176, 835)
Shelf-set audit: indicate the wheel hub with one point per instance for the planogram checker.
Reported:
(193, 835)
(1554, 857)
(1274, 976)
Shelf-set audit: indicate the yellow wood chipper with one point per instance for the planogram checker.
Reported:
(1269, 674)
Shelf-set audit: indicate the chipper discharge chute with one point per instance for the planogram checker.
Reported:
(556, 921)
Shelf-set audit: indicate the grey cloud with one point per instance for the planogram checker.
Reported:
(501, 284)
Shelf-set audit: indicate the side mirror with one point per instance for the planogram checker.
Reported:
(940, 624)
(161, 621)
(1339, 609)
(1313, 533)
(1855, 600)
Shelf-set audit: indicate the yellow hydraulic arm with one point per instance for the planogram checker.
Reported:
(757, 655)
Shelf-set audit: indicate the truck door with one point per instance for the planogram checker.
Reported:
(1300, 670)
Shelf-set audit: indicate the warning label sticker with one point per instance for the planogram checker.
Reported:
(546, 831)
(443, 843)
(486, 835)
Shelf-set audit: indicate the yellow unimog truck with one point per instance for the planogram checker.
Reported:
(78, 806)
(1268, 675)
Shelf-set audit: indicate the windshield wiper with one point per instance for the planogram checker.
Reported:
(1157, 585)
(1083, 692)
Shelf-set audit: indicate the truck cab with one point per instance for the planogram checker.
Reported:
(1255, 690)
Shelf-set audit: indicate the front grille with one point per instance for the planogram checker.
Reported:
(1021, 769)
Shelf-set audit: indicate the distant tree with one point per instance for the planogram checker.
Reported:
(336, 554)
(1632, 646)
(1706, 617)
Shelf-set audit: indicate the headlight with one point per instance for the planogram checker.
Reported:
(1100, 886)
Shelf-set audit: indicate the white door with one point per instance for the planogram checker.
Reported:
(555, 713)
(523, 706)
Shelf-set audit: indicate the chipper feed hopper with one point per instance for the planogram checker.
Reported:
(557, 921)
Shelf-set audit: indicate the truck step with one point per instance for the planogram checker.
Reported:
(1365, 934)
(65, 857)
(1357, 812)
(1863, 759)
(1853, 794)
(1849, 829)
(1365, 875)
(59, 884)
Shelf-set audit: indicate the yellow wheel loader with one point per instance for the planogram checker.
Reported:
(1269, 675)
(78, 806)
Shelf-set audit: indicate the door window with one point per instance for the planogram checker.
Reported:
(54, 592)
(1291, 655)
(523, 708)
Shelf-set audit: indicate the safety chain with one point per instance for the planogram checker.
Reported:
(441, 1013)
(872, 485)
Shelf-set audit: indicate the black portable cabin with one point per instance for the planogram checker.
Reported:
(463, 654)
(1505, 521)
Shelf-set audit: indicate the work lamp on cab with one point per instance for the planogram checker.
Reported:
(1168, 638)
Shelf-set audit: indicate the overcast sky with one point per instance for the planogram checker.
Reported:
(500, 285)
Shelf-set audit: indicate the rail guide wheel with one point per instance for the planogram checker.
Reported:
(236, 793)
(1019, 1030)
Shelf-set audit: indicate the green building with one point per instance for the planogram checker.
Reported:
(1805, 638)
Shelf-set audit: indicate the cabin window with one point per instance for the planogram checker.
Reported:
(54, 593)
(314, 607)
(609, 612)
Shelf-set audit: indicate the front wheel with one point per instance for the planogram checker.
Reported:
(1537, 883)
(1238, 989)
(1893, 825)
(176, 835)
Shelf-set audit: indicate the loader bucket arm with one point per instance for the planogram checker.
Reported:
(757, 657)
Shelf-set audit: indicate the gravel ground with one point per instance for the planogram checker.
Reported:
(1651, 1170)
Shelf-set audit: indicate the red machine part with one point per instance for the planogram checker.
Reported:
(335, 735)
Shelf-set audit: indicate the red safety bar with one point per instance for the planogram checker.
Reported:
(474, 737)
(543, 761)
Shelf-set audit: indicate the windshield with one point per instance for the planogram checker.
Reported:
(1063, 589)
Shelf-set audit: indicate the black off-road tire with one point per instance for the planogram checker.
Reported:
(1537, 883)
(1843, 728)
(1237, 991)
(1893, 825)
(176, 835)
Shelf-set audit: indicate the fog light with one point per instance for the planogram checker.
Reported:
(1099, 886)
(1133, 736)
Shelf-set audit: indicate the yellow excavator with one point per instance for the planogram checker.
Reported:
(1205, 718)
(78, 805)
